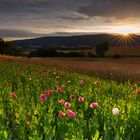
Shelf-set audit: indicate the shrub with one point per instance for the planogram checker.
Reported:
(102, 48)
(116, 56)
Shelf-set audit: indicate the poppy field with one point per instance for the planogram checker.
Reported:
(51, 103)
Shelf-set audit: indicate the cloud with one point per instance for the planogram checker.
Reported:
(112, 8)
(39, 11)
(34, 9)
(39, 6)
(17, 33)
(71, 34)
(35, 17)
(73, 16)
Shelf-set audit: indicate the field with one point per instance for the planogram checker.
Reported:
(50, 102)
(121, 51)
(116, 69)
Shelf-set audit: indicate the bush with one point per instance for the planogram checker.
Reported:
(44, 52)
(51, 52)
(91, 55)
(102, 48)
(8, 49)
(116, 56)
(75, 54)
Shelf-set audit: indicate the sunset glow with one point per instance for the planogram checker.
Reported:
(37, 18)
(125, 30)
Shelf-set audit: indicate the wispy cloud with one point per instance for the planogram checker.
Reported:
(17, 33)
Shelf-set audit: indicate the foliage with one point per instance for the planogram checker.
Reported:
(43, 52)
(51, 52)
(116, 56)
(39, 102)
(102, 48)
(7, 48)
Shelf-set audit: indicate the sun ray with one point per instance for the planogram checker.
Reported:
(124, 40)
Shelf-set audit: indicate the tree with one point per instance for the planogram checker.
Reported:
(44, 52)
(102, 48)
(7, 48)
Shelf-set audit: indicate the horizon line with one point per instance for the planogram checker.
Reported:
(68, 34)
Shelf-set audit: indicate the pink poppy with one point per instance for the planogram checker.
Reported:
(61, 102)
(70, 114)
(97, 82)
(49, 92)
(28, 123)
(59, 90)
(67, 105)
(81, 99)
(13, 95)
(94, 105)
(43, 97)
(72, 96)
(61, 114)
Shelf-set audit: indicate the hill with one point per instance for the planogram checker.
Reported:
(79, 41)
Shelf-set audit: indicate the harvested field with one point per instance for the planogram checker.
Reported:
(120, 69)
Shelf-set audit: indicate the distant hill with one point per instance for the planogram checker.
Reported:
(80, 40)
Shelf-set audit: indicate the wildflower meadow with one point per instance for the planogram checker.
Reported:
(51, 103)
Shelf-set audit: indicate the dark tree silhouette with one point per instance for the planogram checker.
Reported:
(52, 52)
(102, 48)
(44, 52)
(8, 49)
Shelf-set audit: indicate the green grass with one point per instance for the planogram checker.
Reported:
(27, 117)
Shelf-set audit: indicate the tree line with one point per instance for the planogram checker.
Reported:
(8, 49)
(101, 49)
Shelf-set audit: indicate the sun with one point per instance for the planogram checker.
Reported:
(125, 35)
(125, 30)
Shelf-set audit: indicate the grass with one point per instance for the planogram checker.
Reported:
(32, 105)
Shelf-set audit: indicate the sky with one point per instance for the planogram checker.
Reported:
(35, 18)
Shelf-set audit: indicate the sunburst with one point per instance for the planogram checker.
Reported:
(125, 30)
